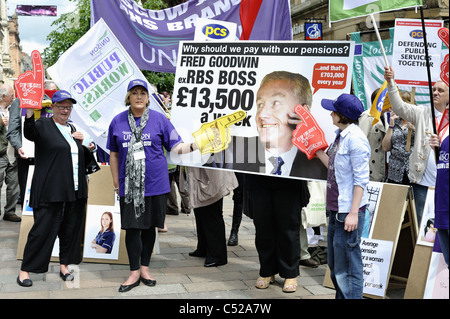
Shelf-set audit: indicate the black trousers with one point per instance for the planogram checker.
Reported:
(238, 202)
(139, 243)
(211, 232)
(63, 219)
(276, 206)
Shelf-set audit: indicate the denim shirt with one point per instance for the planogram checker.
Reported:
(351, 166)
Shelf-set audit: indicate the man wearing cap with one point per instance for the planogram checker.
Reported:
(347, 160)
(58, 190)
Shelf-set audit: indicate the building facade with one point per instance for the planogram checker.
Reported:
(303, 11)
(6, 72)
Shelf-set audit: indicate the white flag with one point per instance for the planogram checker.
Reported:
(96, 70)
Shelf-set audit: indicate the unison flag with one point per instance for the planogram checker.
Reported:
(380, 103)
(152, 37)
(346, 9)
(96, 70)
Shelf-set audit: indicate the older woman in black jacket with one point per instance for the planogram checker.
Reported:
(58, 191)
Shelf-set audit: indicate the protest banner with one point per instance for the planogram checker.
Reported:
(347, 9)
(151, 37)
(215, 30)
(409, 52)
(36, 10)
(96, 70)
(218, 79)
(368, 70)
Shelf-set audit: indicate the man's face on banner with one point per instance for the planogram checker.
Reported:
(274, 101)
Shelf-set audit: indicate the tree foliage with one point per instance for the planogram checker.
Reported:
(73, 25)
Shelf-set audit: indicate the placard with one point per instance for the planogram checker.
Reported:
(390, 220)
(98, 239)
(376, 256)
(218, 79)
(408, 59)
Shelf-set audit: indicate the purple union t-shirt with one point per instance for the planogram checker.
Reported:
(158, 133)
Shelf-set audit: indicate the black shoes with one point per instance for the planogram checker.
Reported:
(25, 282)
(147, 282)
(214, 264)
(66, 277)
(309, 263)
(12, 218)
(233, 240)
(125, 288)
(195, 253)
(28, 283)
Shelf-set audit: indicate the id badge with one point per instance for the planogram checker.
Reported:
(138, 151)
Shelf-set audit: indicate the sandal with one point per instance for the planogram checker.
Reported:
(290, 285)
(264, 282)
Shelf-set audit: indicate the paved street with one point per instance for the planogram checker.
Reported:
(178, 275)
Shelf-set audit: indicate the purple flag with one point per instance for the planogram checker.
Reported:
(151, 37)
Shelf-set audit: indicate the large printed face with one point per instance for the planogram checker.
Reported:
(275, 100)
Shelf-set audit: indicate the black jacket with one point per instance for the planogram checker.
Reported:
(53, 173)
(246, 154)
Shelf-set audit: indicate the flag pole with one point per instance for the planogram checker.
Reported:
(427, 61)
(381, 43)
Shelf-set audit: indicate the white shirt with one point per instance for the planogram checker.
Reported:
(288, 158)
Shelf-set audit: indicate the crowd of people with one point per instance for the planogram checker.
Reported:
(139, 139)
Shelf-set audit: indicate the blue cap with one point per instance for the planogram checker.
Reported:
(137, 82)
(62, 95)
(346, 104)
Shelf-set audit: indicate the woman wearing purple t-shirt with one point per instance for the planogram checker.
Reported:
(136, 140)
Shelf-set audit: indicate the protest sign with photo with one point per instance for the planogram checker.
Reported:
(215, 82)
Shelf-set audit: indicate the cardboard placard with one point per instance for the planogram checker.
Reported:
(100, 192)
(390, 224)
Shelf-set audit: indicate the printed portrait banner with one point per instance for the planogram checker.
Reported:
(408, 58)
(221, 80)
(96, 70)
(347, 9)
(151, 37)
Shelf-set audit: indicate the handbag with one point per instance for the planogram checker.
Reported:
(314, 214)
(90, 161)
(91, 165)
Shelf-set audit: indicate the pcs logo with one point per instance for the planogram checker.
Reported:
(416, 34)
(215, 31)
